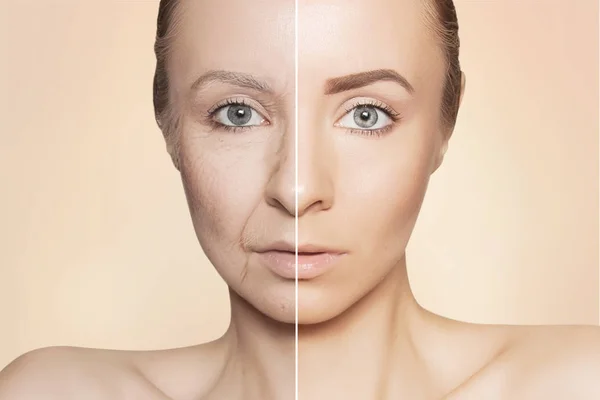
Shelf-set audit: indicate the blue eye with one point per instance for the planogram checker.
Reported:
(366, 117)
(238, 115)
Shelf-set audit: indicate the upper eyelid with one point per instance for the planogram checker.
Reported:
(378, 105)
(242, 101)
(351, 104)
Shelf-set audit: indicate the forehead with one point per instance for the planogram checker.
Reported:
(255, 37)
(340, 37)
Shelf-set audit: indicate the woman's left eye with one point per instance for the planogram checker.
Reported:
(365, 117)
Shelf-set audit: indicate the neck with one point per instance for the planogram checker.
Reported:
(261, 361)
(372, 342)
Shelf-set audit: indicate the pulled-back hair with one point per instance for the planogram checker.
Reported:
(440, 15)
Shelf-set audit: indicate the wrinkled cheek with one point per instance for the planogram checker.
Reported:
(204, 202)
(212, 219)
(218, 239)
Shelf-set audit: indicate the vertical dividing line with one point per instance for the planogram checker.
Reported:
(598, 32)
(296, 189)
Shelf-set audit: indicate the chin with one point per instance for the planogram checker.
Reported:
(316, 315)
(316, 306)
(277, 302)
(281, 317)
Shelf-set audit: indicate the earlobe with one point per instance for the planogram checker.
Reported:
(440, 155)
(173, 154)
(463, 85)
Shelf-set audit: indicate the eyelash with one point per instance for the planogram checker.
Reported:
(393, 115)
(210, 115)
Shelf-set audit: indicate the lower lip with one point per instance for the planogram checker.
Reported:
(310, 266)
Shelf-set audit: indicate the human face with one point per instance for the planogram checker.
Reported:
(236, 139)
(362, 179)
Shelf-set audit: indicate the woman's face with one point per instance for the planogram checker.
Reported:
(368, 143)
(232, 82)
(370, 82)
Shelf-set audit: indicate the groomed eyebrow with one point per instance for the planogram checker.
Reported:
(239, 79)
(361, 79)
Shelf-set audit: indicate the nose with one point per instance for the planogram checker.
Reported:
(302, 171)
(281, 188)
(315, 187)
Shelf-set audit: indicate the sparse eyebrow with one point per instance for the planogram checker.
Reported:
(361, 79)
(233, 78)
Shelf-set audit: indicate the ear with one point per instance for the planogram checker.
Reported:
(174, 153)
(463, 86)
(446, 136)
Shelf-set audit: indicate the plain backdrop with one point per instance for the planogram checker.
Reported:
(97, 247)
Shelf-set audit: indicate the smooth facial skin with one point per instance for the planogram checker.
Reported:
(362, 181)
(236, 139)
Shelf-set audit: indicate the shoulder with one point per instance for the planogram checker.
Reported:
(68, 373)
(558, 362)
(539, 363)
(185, 372)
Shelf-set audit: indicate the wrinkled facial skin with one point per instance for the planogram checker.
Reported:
(237, 142)
(362, 183)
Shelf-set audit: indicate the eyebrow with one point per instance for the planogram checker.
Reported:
(239, 79)
(361, 79)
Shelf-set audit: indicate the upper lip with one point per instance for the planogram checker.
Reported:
(302, 249)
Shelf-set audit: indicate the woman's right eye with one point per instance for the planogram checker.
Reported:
(238, 115)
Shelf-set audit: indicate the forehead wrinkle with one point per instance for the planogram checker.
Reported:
(239, 79)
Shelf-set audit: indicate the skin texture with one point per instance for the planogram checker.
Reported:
(362, 334)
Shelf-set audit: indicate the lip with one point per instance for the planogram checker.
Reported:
(313, 260)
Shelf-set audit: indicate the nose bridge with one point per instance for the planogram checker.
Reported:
(281, 187)
(303, 163)
(315, 183)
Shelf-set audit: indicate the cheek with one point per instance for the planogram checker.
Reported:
(223, 186)
(385, 185)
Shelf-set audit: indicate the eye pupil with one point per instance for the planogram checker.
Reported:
(239, 114)
(365, 116)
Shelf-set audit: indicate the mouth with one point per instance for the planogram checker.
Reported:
(312, 260)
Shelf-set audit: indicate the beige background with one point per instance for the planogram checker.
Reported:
(97, 246)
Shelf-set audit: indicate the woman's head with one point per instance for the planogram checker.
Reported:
(379, 86)
(224, 96)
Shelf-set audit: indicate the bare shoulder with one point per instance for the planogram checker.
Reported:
(69, 373)
(561, 362)
(558, 362)
(186, 372)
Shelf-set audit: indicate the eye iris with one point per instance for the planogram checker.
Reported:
(365, 117)
(239, 114)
